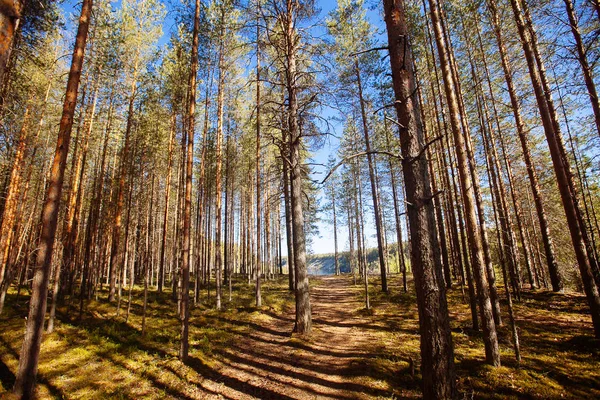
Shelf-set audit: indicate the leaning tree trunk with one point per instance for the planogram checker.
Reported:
(555, 276)
(583, 62)
(561, 165)
(436, 340)
(30, 350)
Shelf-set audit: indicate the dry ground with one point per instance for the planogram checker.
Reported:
(243, 352)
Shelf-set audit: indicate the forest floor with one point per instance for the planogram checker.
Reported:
(243, 352)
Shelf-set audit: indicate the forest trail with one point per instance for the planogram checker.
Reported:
(335, 362)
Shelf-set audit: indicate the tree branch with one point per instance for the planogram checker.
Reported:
(364, 153)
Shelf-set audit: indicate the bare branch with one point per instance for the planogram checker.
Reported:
(350, 157)
(432, 141)
(369, 50)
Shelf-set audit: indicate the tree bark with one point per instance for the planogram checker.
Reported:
(187, 213)
(28, 360)
(560, 163)
(489, 327)
(437, 353)
(258, 297)
(583, 62)
(371, 162)
(165, 226)
(219, 168)
(10, 16)
(11, 199)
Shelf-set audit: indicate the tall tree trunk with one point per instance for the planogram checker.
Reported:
(287, 202)
(560, 163)
(218, 168)
(165, 226)
(489, 327)
(11, 199)
(30, 350)
(116, 235)
(489, 269)
(583, 62)
(399, 241)
(360, 231)
(303, 321)
(147, 256)
(555, 276)
(371, 162)
(437, 356)
(187, 214)
(258, 296)
(335, 238)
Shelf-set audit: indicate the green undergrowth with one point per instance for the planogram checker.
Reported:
(105, 356)
(560, 356)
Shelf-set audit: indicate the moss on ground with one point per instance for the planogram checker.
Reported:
(103, 356)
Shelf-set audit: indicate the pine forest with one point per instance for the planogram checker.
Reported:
(299, 199)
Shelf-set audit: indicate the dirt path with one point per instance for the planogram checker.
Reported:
(338, 361)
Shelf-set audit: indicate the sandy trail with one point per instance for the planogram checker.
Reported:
(333, 363)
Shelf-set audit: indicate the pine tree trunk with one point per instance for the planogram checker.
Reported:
(437, 356)
(479, 269)
(560, 163)
(219, 172)
(288, 219)
(187, 213)
(303, 321)
(28, 360)
(543, 220)
(10, 16)
(371, 162)
(165, 226)
(11, 200)
(335, 238)
(583, 62)
(258, 298)
(116, 235)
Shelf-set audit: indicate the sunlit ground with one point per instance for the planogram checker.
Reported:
(242, 352)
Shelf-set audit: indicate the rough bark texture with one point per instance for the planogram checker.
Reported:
(11, 200)
(582, 58)
(10, 14)
(436, 341)
(303, 323)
